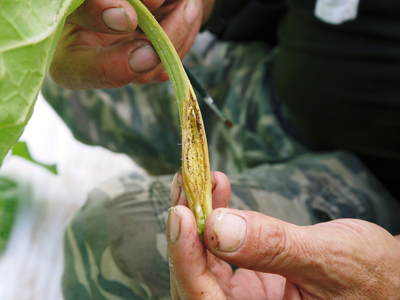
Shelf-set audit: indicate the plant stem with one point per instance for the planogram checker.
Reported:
(196, 175)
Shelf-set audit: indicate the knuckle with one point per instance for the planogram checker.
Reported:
(111, 75)
(274, 247)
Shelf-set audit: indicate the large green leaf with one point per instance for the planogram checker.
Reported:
(29, 30)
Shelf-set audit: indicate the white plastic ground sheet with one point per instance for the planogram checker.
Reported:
(31, 267)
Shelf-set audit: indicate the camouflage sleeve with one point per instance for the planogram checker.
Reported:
(140, 121)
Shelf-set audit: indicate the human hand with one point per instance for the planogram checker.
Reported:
(100, 46)
(341, 259)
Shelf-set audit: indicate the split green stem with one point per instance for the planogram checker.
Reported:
(196, 174)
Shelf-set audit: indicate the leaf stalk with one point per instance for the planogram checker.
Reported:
(196, 174)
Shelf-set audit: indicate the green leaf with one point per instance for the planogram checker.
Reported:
(29, 31)
(8, 209)
(21, 149)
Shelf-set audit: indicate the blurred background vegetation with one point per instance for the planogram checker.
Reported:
(9, 199)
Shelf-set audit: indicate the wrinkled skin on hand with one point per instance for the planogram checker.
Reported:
(102, 47)
(341, 259)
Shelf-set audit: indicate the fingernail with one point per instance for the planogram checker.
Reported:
(191, 11)
(143, 59)
(173, 225)
(117, 19)
(176, 189)
(230, 232)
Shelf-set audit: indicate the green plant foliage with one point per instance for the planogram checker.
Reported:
(29, 30)
(8, 209)
(21, 149)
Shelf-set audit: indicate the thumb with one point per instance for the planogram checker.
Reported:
(326, 260)
(257, 242)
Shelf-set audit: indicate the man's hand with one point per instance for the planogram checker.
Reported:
(101, 46)
(341, 259)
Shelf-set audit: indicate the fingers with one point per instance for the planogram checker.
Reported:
(257, 285)
(154, 4)
(191, 278)
(108, 16)
(81, 67)
(221, 190)
(182, 24)
(101, 49)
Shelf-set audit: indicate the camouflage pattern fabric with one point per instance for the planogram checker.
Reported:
(115, 247)
(142, 120)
